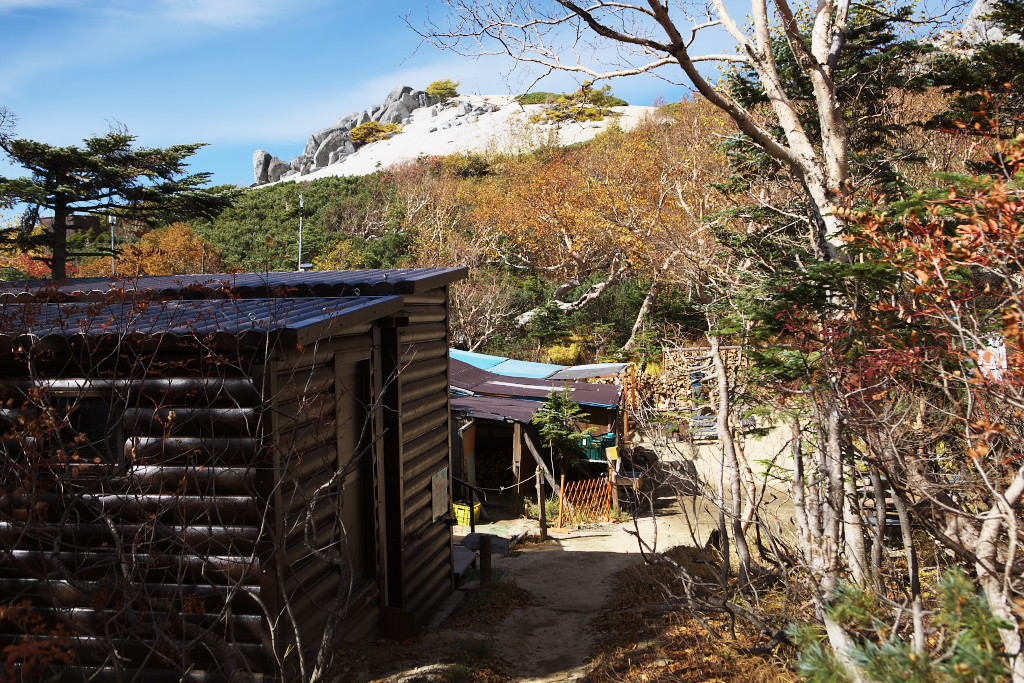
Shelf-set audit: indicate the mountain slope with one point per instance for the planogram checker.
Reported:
(474, 123)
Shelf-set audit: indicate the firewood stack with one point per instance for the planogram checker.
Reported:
(673, 389)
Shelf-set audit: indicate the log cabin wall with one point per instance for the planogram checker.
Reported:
(254, 497)
(252, 508)
(327, 579)
(143, 561)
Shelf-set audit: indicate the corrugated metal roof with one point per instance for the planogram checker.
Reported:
(521, 368)
(314, 283)
(525, 368)
(216, 321)
(591, 370)
(482, 382)
(496, 408)
(503, 365)
(466, 377)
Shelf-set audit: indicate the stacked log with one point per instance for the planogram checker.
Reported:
(672, 390)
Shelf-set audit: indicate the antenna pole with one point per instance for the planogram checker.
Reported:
(299, 264)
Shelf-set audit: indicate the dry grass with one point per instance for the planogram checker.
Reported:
(462, 660)
(384, 661)
(641, 639)
(490, 605)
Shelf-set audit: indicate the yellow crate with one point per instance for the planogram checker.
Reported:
(462, 513)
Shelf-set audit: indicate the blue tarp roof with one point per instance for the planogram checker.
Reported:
(521, 368)
(477, 360)
(525, 369)
(591, 370)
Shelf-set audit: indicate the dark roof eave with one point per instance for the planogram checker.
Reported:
(180, 324)
(425, 283)
(308, 284)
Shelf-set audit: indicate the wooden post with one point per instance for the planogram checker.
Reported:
(540, 504)
(517, 456)
(625, 404)
(632, 390)
(485, 559)
(542, 466)
(615, 488)
(561, 502)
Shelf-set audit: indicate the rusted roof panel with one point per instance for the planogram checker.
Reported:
(315, 283)
(496, 408)
(473, 380)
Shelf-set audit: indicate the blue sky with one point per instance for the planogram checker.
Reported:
(237, 74)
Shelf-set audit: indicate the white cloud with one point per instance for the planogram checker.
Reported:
(14, 5)
(224, 12)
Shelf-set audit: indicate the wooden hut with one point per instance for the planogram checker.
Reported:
(219, 477)
(496, 412)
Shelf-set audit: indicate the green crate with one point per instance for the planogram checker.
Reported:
(462, 513)
(590, 447)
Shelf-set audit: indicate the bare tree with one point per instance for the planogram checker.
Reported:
(604, 39)
(482, 309)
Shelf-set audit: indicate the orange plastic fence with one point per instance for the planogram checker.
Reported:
(584, 502)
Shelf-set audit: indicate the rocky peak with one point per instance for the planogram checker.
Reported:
(977, 30)
(333, 143)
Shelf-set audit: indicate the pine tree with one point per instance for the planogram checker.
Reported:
(557, 420)
(987, 84)
(106, 176)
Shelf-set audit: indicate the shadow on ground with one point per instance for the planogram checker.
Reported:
(545, 638)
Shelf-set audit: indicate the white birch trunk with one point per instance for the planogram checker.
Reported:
(730, 463)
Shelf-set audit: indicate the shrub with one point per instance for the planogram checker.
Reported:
(465, 165)
(550, 508)
(372, 131)
(444, 89)
(565, 355)
(538, 98)
(586, 104)
(388, 250)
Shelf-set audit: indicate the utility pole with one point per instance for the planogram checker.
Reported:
(299, 264)
(113, 255)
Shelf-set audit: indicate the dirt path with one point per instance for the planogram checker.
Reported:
(569, 576)
(569, 580)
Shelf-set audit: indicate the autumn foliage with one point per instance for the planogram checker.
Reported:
(18, 266)
(173, 250)
(910, 351)
(41, 645)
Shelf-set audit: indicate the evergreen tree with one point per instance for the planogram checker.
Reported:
(106, 176)
(968, 647)
(875, 64)
(987, 84)
(556, 421)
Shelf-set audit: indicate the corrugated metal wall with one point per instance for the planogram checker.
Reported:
(426, 435)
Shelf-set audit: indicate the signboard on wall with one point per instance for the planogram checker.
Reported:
(440, 505)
